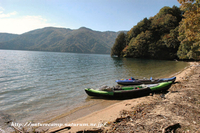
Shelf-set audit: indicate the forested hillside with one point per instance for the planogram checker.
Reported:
(4, 37)
(159, 37)
(82, 40)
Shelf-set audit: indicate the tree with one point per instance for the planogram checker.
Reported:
(141, 44)
(164, 24)
(155, 37)
(164, 11)
(142, 26)
(138, 47)
(119, 45)
(171, 43)
(189, 30)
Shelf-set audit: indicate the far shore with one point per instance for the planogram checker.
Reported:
(104, 119)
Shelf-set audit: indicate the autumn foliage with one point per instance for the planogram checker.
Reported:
(155, 37)
(173, 33)
(189, 30)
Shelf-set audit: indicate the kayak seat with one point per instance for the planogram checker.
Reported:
(132, 78)
(117, 88)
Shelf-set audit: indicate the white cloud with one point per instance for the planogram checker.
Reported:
(11, 23)
(1, 8)
(7, 15)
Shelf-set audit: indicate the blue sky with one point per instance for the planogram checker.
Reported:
(20, 16)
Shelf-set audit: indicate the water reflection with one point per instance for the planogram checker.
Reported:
(139, 68)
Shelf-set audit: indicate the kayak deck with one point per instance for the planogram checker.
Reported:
(133, 81)
(129, 91)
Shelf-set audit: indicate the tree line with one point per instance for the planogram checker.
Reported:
(172, 33)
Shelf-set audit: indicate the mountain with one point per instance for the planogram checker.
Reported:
(4, 37)
(82, 40)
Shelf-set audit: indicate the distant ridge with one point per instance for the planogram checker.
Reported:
(4, 37)
(82, 40)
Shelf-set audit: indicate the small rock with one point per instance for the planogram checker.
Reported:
(127, 104)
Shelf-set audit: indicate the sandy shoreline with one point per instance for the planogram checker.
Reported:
(96, 119)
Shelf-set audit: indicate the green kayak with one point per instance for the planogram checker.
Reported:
(128, 91)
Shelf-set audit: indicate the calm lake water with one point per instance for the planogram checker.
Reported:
(34, 84)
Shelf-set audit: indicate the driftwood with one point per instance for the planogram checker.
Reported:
(61, 129)
(171, 128)
(122, 119)
(16, 129)
(91, 131)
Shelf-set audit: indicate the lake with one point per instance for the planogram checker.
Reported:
(35, 86)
